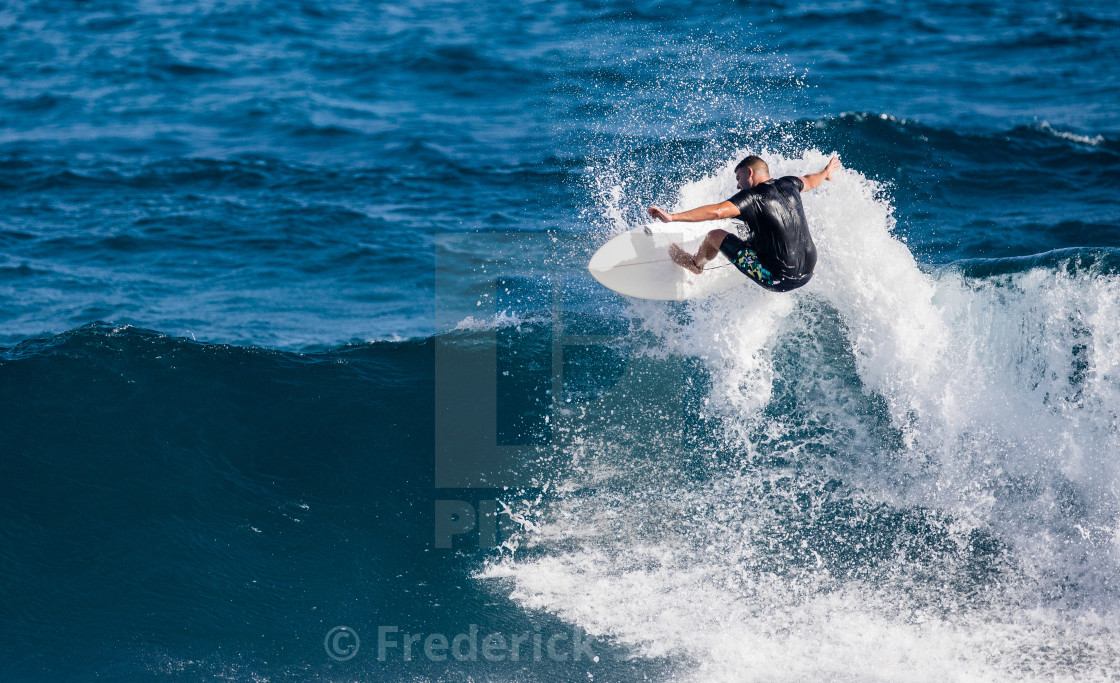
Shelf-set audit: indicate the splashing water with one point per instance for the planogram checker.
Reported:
(888, 475)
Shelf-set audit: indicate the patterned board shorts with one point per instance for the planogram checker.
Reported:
(739, 252)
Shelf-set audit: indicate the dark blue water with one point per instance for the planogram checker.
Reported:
(267, 268)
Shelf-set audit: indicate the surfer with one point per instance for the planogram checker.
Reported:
(778, 252)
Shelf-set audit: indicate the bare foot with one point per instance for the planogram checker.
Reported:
(684, 259)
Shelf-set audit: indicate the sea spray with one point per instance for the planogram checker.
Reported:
(888, 471)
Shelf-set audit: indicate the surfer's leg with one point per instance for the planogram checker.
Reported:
(707, 251)
(684, 259)
(710, 247)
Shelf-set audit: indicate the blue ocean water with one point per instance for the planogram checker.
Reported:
(253, 256)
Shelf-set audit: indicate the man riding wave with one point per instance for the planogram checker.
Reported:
(778, 252)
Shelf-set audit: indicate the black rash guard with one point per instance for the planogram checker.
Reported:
(779, 234)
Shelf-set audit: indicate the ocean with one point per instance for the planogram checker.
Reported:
(303, 377)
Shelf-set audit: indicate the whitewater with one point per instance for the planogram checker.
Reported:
(896, 473)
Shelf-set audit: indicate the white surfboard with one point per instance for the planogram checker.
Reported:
(637, 264)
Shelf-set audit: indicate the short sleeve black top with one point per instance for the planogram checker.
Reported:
(780, 236)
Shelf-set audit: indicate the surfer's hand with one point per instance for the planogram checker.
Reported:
(660, 214)
(833, 166)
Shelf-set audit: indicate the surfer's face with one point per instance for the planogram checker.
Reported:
(743, 175)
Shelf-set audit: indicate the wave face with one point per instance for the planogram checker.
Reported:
(240, 241)
(205, 509)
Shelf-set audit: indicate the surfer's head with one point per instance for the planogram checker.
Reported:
(751, 171)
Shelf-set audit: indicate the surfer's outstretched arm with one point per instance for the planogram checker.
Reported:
(711, 212)
(814, 179)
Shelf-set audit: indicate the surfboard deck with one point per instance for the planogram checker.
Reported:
(636, 263)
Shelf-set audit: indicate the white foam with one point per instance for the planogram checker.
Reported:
(498, 321)
(1072, 137)
(1003, 393)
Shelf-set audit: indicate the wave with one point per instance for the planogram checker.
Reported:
(35, 173)
(1008, 143)
(149, 479)
(894, 454)
(1077, 263)
(808, 486)
(68, 397)
(1093, 141)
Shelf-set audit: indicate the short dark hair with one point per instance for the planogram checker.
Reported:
(756, 164)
